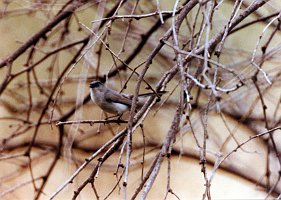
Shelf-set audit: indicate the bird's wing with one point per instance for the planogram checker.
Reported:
(113, 96)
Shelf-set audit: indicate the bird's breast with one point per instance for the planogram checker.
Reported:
(108, 106)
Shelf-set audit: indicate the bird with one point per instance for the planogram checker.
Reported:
(112, 101)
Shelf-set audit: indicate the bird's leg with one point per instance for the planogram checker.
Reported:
(119, 117)
(107, 118)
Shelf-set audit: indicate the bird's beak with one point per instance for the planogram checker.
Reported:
(93, 84)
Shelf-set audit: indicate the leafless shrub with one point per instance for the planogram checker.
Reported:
(213, 57)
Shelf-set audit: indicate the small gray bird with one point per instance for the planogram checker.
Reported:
(112, 101)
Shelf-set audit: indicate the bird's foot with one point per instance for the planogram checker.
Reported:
(118, 120)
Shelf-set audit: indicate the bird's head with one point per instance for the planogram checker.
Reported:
(95, 84)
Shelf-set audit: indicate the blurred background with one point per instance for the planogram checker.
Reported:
(214, 134)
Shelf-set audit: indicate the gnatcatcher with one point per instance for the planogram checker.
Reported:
(112, 101)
